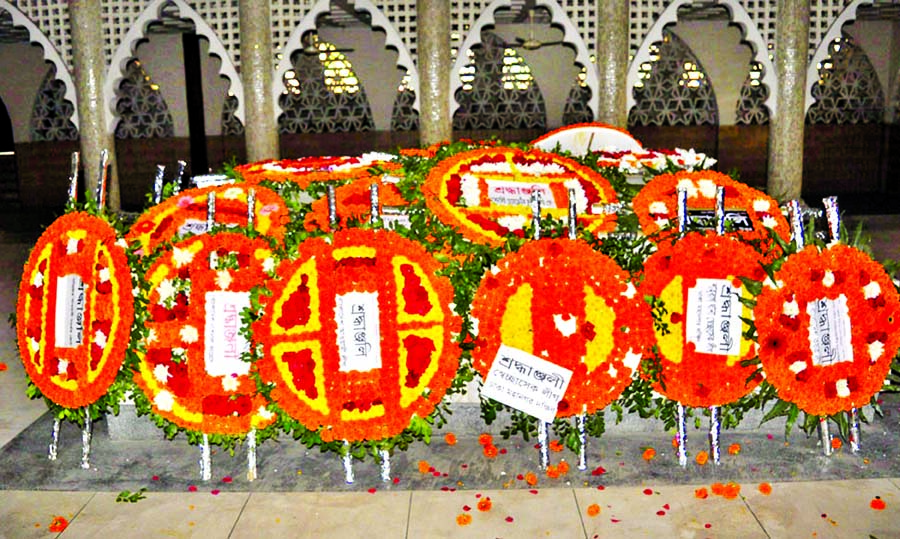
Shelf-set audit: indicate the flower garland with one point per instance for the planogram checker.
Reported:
(569, 129)
(486, 192)
(564, 302)
(75, 310)
(358, 335)
(307, 170)
(185, 213)
(354, 203)
(656, 205)
(190, 367)
(700, 342)
(653, 162)
(854, 310)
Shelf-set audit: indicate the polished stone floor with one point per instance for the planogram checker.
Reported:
(302, 493)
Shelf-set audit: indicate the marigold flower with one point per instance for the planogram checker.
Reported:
(463, 519)
(490, 451)
(552, 471)
(717, 488)
(702, 457)
(3, 366)
(877, 503)
(531, 479)
(649, 453)
(593, 510)
(555, 445)
(731, 491)
(450, 438)
(484, 504)
(765, 489)
(563, 468)
(485, 439)
(424, 467)
(701, 493)
(734, 449)
(58, 524)
(836, 443)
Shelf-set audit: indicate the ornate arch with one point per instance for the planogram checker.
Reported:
(50, 53)
(125, 52)
(738, 16)
(51, 113)
(308, 24)
(558, 17)
(848, 90)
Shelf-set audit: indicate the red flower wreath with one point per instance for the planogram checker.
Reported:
(701, 349)
(354, 202)
(846, 286)
(307, 170)
(75, 310)
(568, 304)
(185, 213)
(358, 335)
(656, 204)
(486, 192)
(191, 369)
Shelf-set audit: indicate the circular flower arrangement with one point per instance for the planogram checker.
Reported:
(753, 213)
(307, 170)
(487, 192)
(185, 213)
(700, 335)
(75, 310)
(564, 302)
(358, 335)
(191, 368)
(829, 329)
(354, 203)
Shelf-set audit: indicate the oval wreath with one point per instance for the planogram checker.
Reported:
(700, 338)
(75, 310)
(185, 213)
(829, 329)
(568, 304)
(487, 192)
(358, 335)
(191, 368)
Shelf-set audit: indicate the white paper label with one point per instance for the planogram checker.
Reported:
(392, 216)
(192, 227)
(224, 342)
(713, 317)
(359, 337)
(508, 193)
(70, 297)
(526, 382)
(829, 331)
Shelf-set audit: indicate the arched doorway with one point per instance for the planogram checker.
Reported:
(9, 178)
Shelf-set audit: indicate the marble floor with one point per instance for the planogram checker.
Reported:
(776, 487)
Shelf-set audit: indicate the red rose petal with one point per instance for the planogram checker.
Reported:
(155, 478)
(707, 525)
(666, 507)
(599, 470)
(372, 490)
(601, 487)
(466, 508)
(214, 492)
(396, 480)
(648, 491)
(192, 488)
(661, 513)
(614, 520)
(509, 519)
(533, 491)
(520, 477)
(503, 451)
(227, 479)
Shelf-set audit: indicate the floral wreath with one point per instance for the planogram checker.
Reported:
(652, 162)
(706, 369)
(185, 213)
(656, 205)
(844, 285)
(570, 127)
(307, 170)
(191, 369)
(486, 192)
(562, 301)
(362, 377)
(75, 310)
(354, 202)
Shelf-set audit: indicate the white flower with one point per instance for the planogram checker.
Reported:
(494, 269)
(164, 401)
(151, 336)
(872, 290)
(707, 188)
(581, 201)
(475, 323)
(166, 290)
(38, 280)
(760, 205)
(122, 243)
(178, 351)
(161, 373)
(103, 275)
(223, 279)
(612, 371)
(566, 326)
(230, 383)
(72, 246)
(661, 223)
(100, 339)
(630, 290)
(791, 308)
(769, 222)
(182, 257)
(659, 207)
(33, 344)
(843, 390)
(264, 413)
(828, 280)
(875, 350)
(232, 193)
(631, 360)
(268, 264)
(189, 334)
(470, 189)
(688, 186)
(512, 222)
(62, 366)
(797, 366)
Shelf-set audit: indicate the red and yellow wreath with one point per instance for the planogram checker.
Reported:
(354, 202)
(700, 336)
(828, 329)
(185, 213)
(358, 335)
(75, 310)
(307, 170)
(753, 213)
(191, 366)
(487, 192)
(564, 302)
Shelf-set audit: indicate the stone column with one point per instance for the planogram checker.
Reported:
(435, 63)
(257, 67)
(90, 70)
(612, 61)
(786, 125)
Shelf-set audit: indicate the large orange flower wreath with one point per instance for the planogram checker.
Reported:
(185, 213)
(191, 368)
(700, 338)
(75, 310)
(568, 304)
(487, 192)
(358, 335)
(829, 329)
(306, 170)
